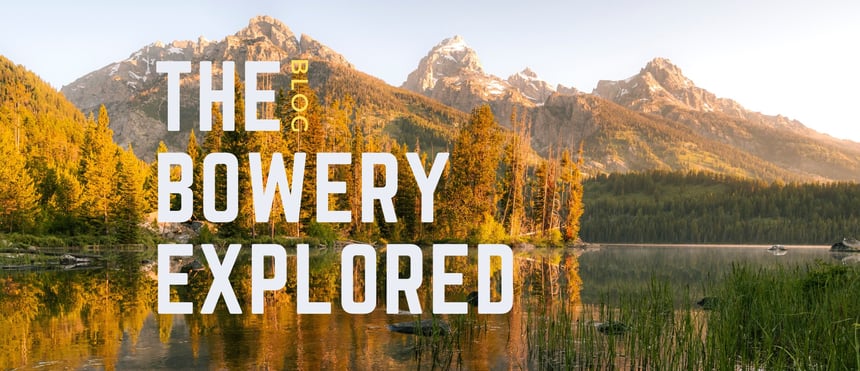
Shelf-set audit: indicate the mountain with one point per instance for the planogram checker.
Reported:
(616, 139)
(134, 93)
(661, 89)
(656, 119)
(452, 73)
(661, 84)
(531, 87)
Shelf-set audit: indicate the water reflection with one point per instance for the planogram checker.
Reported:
(107, 319)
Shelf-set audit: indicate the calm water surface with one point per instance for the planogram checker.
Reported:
(106, 319)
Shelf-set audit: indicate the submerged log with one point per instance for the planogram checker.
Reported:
(427, 327)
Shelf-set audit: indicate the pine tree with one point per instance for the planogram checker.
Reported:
(65, 202)
(150, 186)
(470, 187)
(407, 199)
(310, 141)
(539, 197)
(572, 182)
(194, 151)
(356, 228)
(97, 172)
(18, 197)
(127, 209)
(514, 182)
(240, 142)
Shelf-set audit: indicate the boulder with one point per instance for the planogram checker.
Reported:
(68, 260)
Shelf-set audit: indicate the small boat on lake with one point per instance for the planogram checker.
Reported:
(777, 250)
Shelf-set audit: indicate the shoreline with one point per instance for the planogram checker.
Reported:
(709, 245)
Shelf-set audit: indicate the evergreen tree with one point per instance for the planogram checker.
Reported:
(356, 228)
(572, 183)
(129, 204)
(98, 171)
(194, 151)
(407, 199)
(310, 141)
(514, 182)
(150, 186)
(240, 142)
(65, 202)
(470, 187)
(18, 197)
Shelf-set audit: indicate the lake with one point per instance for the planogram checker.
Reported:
(106, 319)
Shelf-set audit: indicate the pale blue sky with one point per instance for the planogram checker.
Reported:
(795, 58)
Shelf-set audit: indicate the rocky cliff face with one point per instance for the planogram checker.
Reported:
(656, 119)
(530, 86)
(660, 88)
(661, 84)
(452, 73)
(132, 90)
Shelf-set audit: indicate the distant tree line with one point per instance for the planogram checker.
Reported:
(698, 207)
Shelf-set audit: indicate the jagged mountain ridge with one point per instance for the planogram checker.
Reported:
(131, 89)
(661, 89)
(679, 130)
(452, 73)
(660, 84)
(707, 132)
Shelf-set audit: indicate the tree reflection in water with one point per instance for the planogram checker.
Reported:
(107, 318)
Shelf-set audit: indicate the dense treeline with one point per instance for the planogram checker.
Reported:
(471, 199)
(62, 173)
(673, 207)
(65, 176)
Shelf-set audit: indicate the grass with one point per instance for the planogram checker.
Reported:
(799, 318)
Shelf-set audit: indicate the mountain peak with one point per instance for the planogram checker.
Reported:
(532, 88)
(660, 83)
(265, 25)
(666, 74)
(528, 72)
(454, 43)
(455, 49)
(660, 63)
(450, 58)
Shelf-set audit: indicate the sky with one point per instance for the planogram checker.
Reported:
(795, 58)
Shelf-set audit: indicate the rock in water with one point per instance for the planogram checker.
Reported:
(68, 259)
(612, 328)
(427, 327)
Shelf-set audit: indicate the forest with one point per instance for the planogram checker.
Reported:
(699, 207)
(68, 180)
